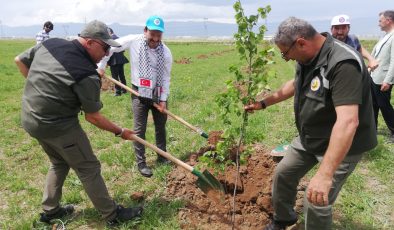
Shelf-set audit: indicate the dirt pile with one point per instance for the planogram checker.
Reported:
(184, 60)
(252, 201)
(107, 85)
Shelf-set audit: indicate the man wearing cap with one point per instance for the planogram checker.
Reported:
(383, 76)
(44, 33)
(340, 27)
(151, 62)
(61, 82)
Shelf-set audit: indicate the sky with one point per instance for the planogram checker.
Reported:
(135, 12)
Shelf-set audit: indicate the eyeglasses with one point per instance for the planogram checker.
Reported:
(284, 54)
(105, 46)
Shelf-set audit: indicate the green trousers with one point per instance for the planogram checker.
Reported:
(73, 150)
(295, 164)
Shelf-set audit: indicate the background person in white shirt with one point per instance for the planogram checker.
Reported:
(151, 62)
(383, 75)
(44, 33)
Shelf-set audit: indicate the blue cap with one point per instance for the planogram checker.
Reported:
(155, 23)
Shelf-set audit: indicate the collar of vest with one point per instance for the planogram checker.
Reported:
(333, 52)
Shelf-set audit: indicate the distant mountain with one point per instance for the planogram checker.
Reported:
(363, 27)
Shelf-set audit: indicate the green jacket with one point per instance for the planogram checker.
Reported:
(62, 81)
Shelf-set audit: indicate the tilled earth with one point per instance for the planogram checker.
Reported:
(253, 206)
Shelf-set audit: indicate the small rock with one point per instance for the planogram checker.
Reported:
(180, 176)
(138, 196)
(213, 217)
(243, 169)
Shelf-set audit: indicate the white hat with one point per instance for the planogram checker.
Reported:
(342, 19)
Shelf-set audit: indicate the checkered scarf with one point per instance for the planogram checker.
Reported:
(145, 71)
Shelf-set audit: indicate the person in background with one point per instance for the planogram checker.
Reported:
(116, 63)
(340, 27)
(62, 81)
(44, 33)
(333, 116)
(151, 62)
(383, 75)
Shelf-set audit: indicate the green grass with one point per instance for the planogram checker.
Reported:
(366, 201)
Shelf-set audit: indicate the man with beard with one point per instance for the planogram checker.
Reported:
(151, 62)
(340, 27)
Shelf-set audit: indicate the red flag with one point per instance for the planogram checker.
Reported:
(145, 82)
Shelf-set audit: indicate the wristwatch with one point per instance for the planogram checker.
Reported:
(119, 134)
(263, 105)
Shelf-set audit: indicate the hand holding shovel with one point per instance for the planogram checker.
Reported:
(206, 181)
(161, 109)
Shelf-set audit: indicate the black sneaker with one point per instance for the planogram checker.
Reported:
(391, 138)
(162, 160)
(125, 214)
(62, 212)
(144, 169)
(279, 225)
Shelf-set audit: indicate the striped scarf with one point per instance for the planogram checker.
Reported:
(150, 86)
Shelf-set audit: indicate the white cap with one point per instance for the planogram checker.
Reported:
(342, 19)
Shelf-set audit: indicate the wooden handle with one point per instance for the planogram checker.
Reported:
(164, 154)
(156, 106)
(122, 85)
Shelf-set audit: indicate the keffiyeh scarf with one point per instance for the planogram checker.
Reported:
(150, 86)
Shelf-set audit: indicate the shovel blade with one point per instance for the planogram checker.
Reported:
(210, 186)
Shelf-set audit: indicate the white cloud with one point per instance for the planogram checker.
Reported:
(135, 12)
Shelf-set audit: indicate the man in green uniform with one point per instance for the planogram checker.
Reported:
(61, 80)
(333, 113)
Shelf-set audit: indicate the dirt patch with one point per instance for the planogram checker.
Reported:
(107, 85)
(253, 206)
(202, 56)
(216, 53)
(214, 137)
(183, 60)
(220, 53)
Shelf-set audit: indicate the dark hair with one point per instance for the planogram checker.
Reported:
(388, 14)
(110, 30)
(48, 25)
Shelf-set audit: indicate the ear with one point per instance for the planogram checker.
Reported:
(301, 42)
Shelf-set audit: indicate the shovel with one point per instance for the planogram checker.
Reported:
(195, 129)
(206, 181)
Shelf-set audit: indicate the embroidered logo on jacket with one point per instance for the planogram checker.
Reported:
(315, 84)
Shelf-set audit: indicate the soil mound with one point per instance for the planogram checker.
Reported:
(253, 206)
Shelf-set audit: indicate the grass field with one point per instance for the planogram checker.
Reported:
(366, 201)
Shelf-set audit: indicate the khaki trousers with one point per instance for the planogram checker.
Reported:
(295, 164)
(73, 150)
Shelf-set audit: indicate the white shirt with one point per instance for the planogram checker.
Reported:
(42, 36)
(133, 42)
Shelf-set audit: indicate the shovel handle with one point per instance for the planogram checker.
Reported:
(197, 130)
(164, 154)
(122, 85)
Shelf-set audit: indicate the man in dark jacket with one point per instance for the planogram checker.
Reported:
(116, 63)
(334, 118)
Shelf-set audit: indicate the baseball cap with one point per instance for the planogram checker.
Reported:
(155, 23)
(341, 19)
(98, 30)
